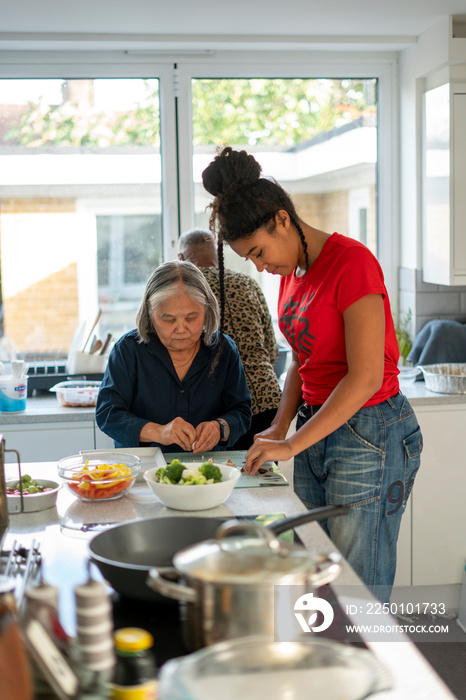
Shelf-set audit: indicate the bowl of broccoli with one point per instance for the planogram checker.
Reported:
(193, 486)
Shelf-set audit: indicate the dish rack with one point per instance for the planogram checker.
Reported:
(23, 565)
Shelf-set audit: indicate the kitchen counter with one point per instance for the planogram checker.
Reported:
(419, 395)
(65, 562)
(44, 408)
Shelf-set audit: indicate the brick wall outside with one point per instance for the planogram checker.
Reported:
(327, 212)
(43, 317)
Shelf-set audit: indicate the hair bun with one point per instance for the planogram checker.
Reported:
(229, 171)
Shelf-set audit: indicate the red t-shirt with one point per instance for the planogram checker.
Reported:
(310, 310)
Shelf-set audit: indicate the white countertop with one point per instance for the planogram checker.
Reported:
(64, 552)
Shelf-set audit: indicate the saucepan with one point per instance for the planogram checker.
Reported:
(228, 584)
(125, 553)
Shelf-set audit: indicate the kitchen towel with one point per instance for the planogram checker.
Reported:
(439, 341)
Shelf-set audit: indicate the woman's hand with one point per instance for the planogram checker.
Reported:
(265, 450)
(208, 435)
(178, 431)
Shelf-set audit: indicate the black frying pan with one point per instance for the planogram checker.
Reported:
(125, 553)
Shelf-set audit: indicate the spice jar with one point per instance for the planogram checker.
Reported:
(135, 671)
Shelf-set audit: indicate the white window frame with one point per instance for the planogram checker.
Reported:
(175, 101)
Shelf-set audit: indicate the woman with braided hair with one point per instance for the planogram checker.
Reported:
(357, 439)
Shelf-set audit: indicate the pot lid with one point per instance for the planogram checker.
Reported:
(244, 560)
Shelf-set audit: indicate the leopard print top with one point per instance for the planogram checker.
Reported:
(248, 322)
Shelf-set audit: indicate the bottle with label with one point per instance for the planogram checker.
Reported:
(135, 671)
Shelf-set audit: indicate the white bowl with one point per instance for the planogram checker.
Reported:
(33, 502)
(194, 497)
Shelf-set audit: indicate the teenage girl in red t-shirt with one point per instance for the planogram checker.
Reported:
(357, 440)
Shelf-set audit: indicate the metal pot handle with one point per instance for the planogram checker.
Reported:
(232, 527)
(328, 568)
(157, 580)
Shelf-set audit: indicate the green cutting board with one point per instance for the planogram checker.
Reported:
(273, 477)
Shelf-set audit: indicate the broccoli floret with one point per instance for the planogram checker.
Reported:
(193, 477)
(210, 471)
(174, 471)
(160, 474)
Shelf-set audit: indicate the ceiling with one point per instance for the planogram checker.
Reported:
(273, 21)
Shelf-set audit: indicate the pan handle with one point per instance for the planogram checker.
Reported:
(322, 513)
(157, 581)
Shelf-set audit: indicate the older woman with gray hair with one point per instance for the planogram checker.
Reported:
(171, 382)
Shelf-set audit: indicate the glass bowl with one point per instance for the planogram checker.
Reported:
(104, 476)
(253, 667)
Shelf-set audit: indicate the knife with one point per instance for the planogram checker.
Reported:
(96, 321)
(106, 343)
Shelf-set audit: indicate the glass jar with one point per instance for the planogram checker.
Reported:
(135, 670)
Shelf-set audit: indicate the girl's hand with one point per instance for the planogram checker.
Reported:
(208, 435)
(265, 450)
(272, 433)
(178, 431)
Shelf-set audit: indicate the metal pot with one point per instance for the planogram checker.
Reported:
(228, 584)
(125, 553)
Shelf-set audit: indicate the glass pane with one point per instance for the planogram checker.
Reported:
(80, 207)
(317, 137)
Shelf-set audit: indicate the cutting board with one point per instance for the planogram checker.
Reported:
(272, 477)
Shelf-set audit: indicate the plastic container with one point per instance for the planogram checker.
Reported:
(135, 671)
(13, 393)
(71, 394)
(85, 363)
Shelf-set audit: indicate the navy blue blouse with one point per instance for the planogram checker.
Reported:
(140, 385)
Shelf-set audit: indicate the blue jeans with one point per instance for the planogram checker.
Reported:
(369, 463)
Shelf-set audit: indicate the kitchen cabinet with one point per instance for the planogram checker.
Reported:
(102, 441)
(439, 498)
(47, 441)
(444, 175)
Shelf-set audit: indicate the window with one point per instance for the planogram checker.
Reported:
(316, 136)
(129, 248)
(100, 171)
(80, 207)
